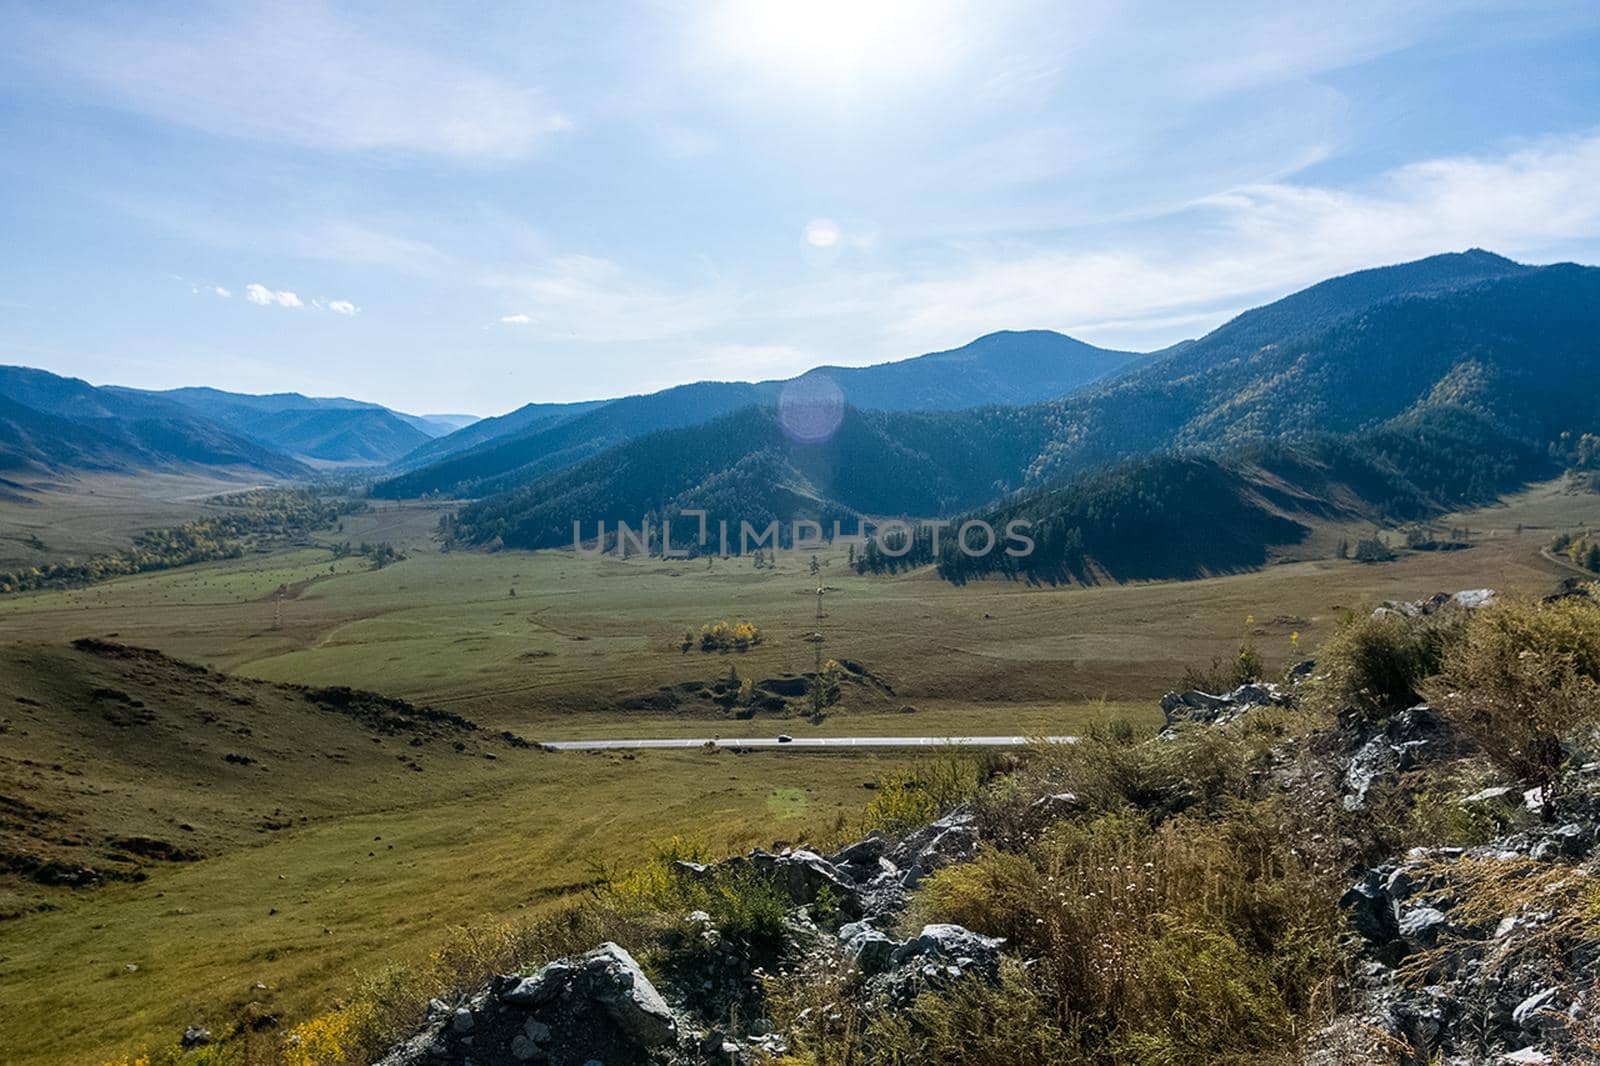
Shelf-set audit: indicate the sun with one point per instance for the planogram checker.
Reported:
(834, 44)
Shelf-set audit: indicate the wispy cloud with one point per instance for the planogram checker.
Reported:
(343, 307)
(296, 73)
(515, 320)
(1257, 242)
(593, 299)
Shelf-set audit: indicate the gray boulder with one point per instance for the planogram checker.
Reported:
(804, 875)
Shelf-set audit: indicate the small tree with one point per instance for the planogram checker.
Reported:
(1524, 678)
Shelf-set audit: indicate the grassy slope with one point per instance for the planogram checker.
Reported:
(326, 854)
(988, 657)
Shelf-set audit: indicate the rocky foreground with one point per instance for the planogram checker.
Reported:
(1480, 953)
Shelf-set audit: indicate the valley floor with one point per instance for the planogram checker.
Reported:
(552, 646)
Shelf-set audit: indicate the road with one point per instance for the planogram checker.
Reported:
(804, 742)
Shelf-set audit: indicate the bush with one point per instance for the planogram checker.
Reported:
(1523, 679)
(906, 800)
(975, 1023)
(723, 635)
(1375, 665)
(1181, 943)
(739, 901)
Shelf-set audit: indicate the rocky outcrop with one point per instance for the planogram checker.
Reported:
(1448, 984)
(1195, 706)
(1382, 750)
(599, 1006)
(1466, 600)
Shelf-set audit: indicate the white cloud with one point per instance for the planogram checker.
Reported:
(222, 292)
(515, 320)
(1236, 249)
(262, 296)
(298, 73)
(343, 307)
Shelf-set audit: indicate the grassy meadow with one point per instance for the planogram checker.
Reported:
(369, 860)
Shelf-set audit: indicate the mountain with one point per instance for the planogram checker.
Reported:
(743, 466)
(544, 447)
(528, 418)
(1395, 392)
(1189, 514)
(1338, 356)
(1009, 367)
(1000, 368)
(323, 430)
(53, 423)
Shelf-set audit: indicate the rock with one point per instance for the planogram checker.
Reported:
(613, 979)
(873, 951)
(1405, 741)
(1420, 927)
(804, 875)
(1526, 1057)
(541, 988)
(1568, 841)
(1539, 1011)
(861, 853)
(1370, 910)
(461, 1021)
(1203, 707)
(1467, 600)
(1059, 805)
(195, 1036)
(952, 839)
(952, 943)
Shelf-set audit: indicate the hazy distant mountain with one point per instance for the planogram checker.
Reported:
(1000, 368)
(56, 423)
(332, 430)
(545, 446)
(1009, 367)
(527, 418)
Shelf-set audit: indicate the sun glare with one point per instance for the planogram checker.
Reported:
(836, 44)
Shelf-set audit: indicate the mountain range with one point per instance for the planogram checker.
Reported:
(1392, 392)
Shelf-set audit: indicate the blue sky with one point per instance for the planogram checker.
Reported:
(453, 208)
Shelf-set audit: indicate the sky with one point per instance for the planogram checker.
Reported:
(464, 208)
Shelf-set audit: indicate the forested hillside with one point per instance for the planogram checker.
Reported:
(52, 423)
(1509, 345)
(742, 467)
(499, 454)
(1389, 394)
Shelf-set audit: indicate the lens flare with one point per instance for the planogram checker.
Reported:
(810, 408)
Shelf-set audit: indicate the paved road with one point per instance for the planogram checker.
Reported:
(805, 742)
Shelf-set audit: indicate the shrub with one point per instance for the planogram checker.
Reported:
(907, 799)
(1374, 665)
(1017, 1019)
(723, 635)
(1181, 943)
(739, 901)
(1523, 679)
(1373, 550)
